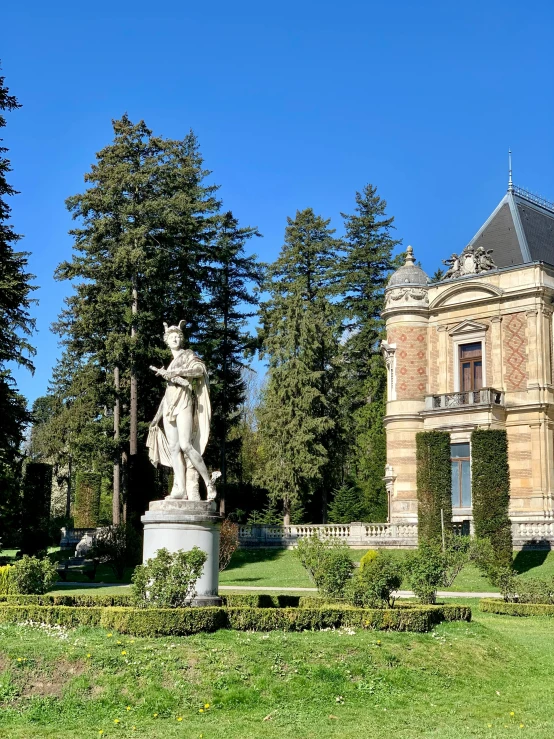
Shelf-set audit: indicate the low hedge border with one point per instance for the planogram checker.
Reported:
(500, 607)
(185, 621)
(232, 600)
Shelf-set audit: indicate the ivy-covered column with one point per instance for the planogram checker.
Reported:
(434, 484)
(490, 484)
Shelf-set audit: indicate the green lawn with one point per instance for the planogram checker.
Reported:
(462, 680)
(280, 567)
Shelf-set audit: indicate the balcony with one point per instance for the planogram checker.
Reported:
(487, 396)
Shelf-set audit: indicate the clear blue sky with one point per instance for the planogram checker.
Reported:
(295, 104)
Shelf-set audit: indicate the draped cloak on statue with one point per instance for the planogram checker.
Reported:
(178, 396)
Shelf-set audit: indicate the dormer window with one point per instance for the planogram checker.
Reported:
(471, 366)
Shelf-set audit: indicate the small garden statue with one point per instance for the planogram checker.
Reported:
(179, 432)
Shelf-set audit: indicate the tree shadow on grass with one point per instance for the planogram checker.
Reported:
(244, 557)
(531, 555)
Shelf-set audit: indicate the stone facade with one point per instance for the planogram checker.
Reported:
(508, 311)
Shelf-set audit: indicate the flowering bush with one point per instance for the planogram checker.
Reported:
(168, 580)
(228, 542)
(32, 576)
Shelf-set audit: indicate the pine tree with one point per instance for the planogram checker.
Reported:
(361, 274)
(225, 341)
(300, 341)
(142, 251)
(16, 326)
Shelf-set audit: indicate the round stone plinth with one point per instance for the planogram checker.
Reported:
(183, 524)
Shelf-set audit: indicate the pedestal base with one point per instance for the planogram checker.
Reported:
(183, 524)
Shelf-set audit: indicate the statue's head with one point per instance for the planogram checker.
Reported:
(171, 333)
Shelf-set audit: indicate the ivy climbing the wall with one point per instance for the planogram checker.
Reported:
(434, 484)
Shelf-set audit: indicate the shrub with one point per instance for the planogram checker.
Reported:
(87, 499)
(374, 583)
(184, 621)
(6, 579)
(30, 575)
(368, 557)
(426, 569)
(35, 509)
(328, 564)
(228, 542)
(434, 484)
(119, 546)
(491, 493)
(168, 580)
(515, 609)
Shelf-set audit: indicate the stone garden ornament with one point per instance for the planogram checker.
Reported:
(179, 432)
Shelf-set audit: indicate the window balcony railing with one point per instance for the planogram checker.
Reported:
(485, 396)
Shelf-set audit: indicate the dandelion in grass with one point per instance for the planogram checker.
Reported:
(200, 710)
(206, 705)
(124, 653)
(155, 715)
(89, 656)
(128, 708)
(116, 721)
(109, 635)
(521, 726)
(179, 718)
(512, 713)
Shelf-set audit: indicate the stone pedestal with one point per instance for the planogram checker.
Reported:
(184, 524)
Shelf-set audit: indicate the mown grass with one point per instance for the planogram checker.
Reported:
(491, 678)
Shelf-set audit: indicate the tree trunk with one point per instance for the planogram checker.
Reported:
(223, 477)
(133, 410)
(125, 480)
(116, 500)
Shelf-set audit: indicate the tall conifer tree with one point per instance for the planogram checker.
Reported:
(142, 250)
(16, 326)
(300, 338)
(225, 341)
(362, 274)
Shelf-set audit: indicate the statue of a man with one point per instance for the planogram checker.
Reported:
(184, 413)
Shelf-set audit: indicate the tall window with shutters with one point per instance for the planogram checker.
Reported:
(471, 367)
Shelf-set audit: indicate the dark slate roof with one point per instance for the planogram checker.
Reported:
(520, 230)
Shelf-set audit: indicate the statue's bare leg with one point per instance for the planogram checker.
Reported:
(184, 425)
(179, 469)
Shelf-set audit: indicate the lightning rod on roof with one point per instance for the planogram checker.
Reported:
(510, 183)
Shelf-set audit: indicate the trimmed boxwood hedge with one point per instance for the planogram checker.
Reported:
(500, 607)
(83, 600)
(184, 621)
(434, 484)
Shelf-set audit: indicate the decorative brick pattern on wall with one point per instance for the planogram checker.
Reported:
(433, 361)
(514, 337)
(411, 361)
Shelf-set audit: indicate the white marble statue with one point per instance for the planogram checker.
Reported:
(179, 432)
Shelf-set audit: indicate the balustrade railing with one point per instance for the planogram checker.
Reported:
(354, 534)
(485, 396)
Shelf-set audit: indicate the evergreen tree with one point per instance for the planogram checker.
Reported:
(300, 336)
(361, 274)
(16, 326)
(226, 342)
(142, 251)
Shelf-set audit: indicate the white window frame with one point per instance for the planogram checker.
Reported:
(468, 338)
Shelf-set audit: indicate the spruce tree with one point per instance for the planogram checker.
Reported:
(300, 336)
(16, 326)
(361, 274)
(142, 250)
(225, 340)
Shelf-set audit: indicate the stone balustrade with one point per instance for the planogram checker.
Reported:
(485, 396)
(356, 535)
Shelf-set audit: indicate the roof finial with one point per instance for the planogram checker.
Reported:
(510, 183)
(409, 256)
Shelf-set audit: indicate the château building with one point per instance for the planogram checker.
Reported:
(474, 350)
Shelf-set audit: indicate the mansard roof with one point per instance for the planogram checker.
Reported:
(520, 230)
